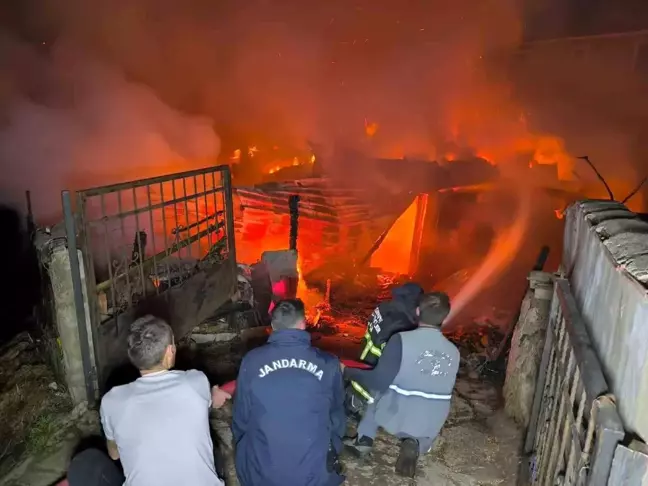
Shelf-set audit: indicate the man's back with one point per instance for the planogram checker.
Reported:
(160, 423)
(287, 412)
(418, 400)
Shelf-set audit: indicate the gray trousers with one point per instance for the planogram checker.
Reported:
(368, 427)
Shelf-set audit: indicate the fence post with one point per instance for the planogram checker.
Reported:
(542, 377)
(77, 287)
(610, 433)
(229, 214)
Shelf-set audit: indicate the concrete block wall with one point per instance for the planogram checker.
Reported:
(605, 257)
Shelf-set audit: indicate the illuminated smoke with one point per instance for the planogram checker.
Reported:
(501, 254)
(83, 125)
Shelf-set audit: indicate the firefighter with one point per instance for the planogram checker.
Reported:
(410, 387)
(396, 315)
(289, 415)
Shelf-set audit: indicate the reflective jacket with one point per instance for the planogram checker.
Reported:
(396, 315)
(288, 413)
(389, 318)
(412, 383)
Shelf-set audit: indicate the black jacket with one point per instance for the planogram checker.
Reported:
(396, 315)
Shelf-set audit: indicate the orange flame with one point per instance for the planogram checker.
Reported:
(311, 298)
(394, 253)
(370, 128)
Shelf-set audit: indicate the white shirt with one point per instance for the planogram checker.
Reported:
(160, 423)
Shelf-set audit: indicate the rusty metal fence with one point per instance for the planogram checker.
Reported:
(574, 428)
(141, 238)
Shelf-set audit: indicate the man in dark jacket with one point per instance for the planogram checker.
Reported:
(396, 315)
(411, 386)
(289, 408)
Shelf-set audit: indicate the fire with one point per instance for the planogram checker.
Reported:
(312, 299)
(487, 157)
(370, 128)
(559, 213)
(295, 162)
(393, 255)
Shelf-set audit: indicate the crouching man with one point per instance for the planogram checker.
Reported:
(289, 408)
(401, 313)
(159, 424)
(410, 387)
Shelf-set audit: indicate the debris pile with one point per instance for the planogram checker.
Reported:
(350, 302)
(481, 339)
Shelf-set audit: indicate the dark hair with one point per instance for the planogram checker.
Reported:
(287, 314)
(434, 308)
(148, 340)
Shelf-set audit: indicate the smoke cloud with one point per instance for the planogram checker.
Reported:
(120, 78)
(72, 121)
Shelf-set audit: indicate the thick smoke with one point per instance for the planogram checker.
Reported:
(288, 71)
(435, 79)
(72, 121)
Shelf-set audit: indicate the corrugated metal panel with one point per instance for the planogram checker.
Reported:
(606, 258)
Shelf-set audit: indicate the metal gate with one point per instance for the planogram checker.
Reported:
(142, 238)
(574, 427)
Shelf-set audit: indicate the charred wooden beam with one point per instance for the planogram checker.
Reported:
(293, 203)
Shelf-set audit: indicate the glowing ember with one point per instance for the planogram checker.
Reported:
(294, 162)
(370, 128)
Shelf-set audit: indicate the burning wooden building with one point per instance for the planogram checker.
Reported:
(434, 222)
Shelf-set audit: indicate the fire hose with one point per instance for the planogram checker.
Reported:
(230, 386)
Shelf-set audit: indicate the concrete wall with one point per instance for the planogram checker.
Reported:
(630, 465)
(60, 276)
(605, 257)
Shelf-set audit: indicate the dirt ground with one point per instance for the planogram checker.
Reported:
(478, 445)
(32, 400)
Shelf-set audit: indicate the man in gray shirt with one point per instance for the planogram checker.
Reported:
(159, 424)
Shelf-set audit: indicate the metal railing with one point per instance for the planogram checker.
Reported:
(574, 427)
(141, 238)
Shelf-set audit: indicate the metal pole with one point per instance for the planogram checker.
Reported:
(293, 203)
(542, 259)
(30, 216)
(417, 237)
(229, 214)
(70, 229)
